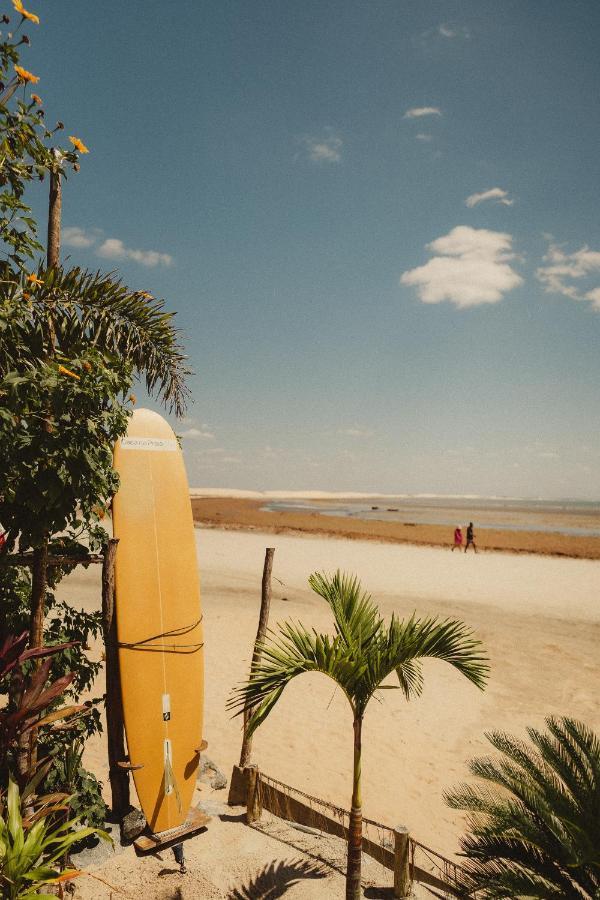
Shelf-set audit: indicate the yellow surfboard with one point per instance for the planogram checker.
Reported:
(159, 621)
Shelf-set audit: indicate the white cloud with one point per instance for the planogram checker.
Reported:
(496, 193)
(594, 297)
(114, 248)
(355, 431)
(470, 267)
(78, 237)
(197, 434)
(324, 149)
(417, 112)
(453, 31)
(561, 270)
(421, 136)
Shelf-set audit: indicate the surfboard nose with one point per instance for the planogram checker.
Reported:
(146, 422)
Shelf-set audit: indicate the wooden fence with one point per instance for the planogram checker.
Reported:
(394, 849)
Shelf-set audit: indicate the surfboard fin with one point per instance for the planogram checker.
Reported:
(170, 781)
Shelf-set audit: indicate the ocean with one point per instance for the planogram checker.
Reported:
(576, 517)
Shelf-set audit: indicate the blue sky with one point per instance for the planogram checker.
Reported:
(377, 221)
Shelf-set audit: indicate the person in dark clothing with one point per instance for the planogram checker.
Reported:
(470, 538)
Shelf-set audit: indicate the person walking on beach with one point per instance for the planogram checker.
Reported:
(470, 538)
(457, 538)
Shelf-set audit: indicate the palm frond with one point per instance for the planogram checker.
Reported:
(361, 654)
(416, 639)
(287, 653)
(96, 308)
(534, 824)
(357, 619)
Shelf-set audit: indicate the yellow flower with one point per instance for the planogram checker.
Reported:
(26, 296)
(24, 75)
(133, 399)
(18, 5)
(146, 294)
(87, 366)
(65, 371)
(34, 279)
(79, 145)
(37, 99)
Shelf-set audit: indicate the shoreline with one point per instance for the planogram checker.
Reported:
(246, 514)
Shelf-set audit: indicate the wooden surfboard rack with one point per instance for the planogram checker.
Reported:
(151, 843)
(129, 766)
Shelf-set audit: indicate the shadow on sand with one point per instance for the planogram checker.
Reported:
(275, 879)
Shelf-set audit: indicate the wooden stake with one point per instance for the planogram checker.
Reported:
(263, 621)
(119, 778)
(402, 879)
(253, 800)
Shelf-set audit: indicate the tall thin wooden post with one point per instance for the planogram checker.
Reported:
(402, 879)
(119, 778)
(238, 784)
(263, 621)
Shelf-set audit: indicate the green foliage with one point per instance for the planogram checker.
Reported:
(34, 701)
(535, 822)
(63, 743)
(359, 657)
(64, 624)
(25, 151)
(31, 853)
(68, 775)
(93, 309)
(361, 654)
(58, 425)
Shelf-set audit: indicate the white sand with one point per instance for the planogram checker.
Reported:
(539, 618)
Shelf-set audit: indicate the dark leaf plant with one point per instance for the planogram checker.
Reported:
(534, 820)
(359, 657)
(28, 707)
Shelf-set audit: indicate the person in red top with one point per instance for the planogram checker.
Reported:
(2, 540)
(457, 538)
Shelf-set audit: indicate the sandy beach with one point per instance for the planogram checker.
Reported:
(247, 513)
(538, 616)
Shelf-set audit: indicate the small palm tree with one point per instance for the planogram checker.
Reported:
(363, 652)
(535, 825)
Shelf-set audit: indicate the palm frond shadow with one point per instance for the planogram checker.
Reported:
(275, 879)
